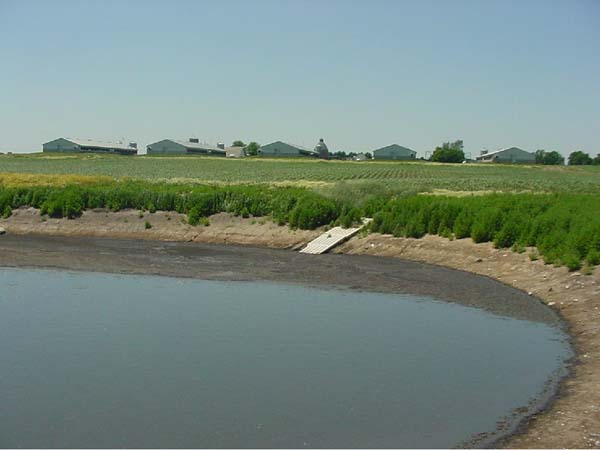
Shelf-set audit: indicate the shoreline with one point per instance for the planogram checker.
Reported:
(568, 418)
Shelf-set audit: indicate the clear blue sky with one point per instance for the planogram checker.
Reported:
(359, 74)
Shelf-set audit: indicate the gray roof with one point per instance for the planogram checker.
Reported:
(299, 147)
(198, 145)
(485, 155)
(396, 147)
(98, 144)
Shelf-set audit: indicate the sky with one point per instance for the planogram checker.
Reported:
(360, 74)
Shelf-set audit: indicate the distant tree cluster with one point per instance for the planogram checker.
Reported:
(449, 152)
(580, 158)
(577, 158)
(252, 149)
(348, 155)
(342, 155)
(552, 158)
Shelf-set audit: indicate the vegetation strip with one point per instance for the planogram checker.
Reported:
(564, 228)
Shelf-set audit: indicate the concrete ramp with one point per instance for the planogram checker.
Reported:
(331, 238)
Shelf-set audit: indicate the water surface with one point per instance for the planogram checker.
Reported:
(95, 360)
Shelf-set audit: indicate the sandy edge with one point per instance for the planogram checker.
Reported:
(573, 418)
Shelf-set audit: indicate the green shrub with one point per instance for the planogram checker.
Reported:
(310, 213)
(147, 225)
(194, 216)
(486, 223)
(462, 224)
(64, 203)
(572, 261)
(7, 212)
(507, 236)
(593, 257)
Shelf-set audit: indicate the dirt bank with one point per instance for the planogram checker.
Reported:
(130, 224)
(573, 420)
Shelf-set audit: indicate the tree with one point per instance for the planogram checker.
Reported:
(579, 158)
(252, 149)
(449, 152)
(539, 156)
(238, 144)
(552, 158)
(368, 155)
(596, 160)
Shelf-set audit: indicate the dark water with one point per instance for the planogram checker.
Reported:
(92, 360)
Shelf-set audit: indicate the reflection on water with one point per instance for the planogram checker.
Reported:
(94, 360)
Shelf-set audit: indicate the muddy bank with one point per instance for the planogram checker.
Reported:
(243, 263)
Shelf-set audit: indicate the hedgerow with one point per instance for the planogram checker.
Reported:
(564, 228)
(297, 207)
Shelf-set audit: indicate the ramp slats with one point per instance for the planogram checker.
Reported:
(331, 238)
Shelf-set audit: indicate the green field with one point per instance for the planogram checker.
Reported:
(390, 177)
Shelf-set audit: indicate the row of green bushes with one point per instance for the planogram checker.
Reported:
(297, 207)
(564, 228)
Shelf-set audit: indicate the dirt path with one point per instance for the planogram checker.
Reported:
(573, 420)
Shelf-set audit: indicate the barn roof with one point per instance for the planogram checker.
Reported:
(98, 144)
(394, 147)
(495, 152)
(299, 147)
(197, 145)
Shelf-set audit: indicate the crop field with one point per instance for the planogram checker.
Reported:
(390, 177)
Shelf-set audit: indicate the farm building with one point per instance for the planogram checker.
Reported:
(508, 155)
(282, 149)
(190, 147)
(235, 152)
(69, 145)
(322, 150)
(394, 151)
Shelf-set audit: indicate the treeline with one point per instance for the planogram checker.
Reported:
(564, 228)
(578, 158)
